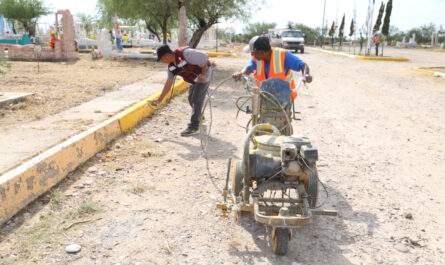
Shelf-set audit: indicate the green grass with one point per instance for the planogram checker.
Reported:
(57, 198)
(87, 208)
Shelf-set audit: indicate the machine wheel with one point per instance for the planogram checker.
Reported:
(312, 188)
(280, 240)
(302, 50)
(237, 178)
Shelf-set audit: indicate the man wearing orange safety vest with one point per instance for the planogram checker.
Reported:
(267, 62)
(377, 43)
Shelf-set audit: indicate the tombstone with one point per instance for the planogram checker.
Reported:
(412, 41)
(104, 43)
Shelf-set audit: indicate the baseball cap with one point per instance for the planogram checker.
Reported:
(162, 50)
(258, 43)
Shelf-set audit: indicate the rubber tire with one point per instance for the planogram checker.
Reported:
(302, 50)
(237, 178)
(280, 241)
(312, 188)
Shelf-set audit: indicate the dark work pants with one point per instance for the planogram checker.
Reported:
(197, 95)
(377, 50)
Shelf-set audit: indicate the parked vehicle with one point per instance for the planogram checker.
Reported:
(290, 39)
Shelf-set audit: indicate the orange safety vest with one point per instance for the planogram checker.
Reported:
(276, 70)
(377, 39)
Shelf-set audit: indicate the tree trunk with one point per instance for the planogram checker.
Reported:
(152, 31)
(182, 17)
(164, 31)
(197, 36)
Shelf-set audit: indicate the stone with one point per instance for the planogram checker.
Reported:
(402, 248)
(26, 215)
(88, 182)
(73, 249)
(409, 216)
(159, 140)
(92, 169)
(102, 173)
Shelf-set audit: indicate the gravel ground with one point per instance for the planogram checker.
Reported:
(148, 199)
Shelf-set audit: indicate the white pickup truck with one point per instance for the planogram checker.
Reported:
(290, 39)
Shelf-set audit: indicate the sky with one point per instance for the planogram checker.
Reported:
(406, 14)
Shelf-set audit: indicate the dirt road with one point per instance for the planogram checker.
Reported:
(148, 199)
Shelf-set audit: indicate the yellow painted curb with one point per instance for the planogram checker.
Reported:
(217, 54)
(237, 49)
(381, 58)
(27, 182)
(130, 117)
(424, 70)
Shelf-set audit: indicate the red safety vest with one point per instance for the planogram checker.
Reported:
(189, 72)
(276, 70)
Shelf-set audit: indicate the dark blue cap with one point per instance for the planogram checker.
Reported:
(162, 50)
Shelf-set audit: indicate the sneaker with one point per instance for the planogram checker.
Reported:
(189, 132)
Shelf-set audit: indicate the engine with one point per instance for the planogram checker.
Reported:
(290, 158)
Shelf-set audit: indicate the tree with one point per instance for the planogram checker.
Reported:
(352, 28)
(362, 40)
(204, 14)
(386, 20)
(311, 34)
(182, 28)
(423, 34)
(256, 29)
(27, 12)
(158, 15)
(332, 33)
(87, 21)
(340, 34)
(385, 28)
(378, 22)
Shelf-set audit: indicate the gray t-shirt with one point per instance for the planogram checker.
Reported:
(195, 57)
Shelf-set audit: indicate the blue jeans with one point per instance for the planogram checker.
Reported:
(377, 50)
(119, 44)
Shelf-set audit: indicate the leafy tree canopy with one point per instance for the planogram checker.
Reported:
(26, 12)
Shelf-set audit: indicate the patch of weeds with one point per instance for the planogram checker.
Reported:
(176, 116)
(142, 145)
(2, 113)
(88, 207)
(9, 260)
(57, 198)
(97, 111)
(42, 233)
(19, 106)
(139, 188)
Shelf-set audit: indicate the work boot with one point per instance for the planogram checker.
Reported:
(189, 132)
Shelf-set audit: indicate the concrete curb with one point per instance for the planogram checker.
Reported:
(22, 185)
(424, 70)
(359, 57)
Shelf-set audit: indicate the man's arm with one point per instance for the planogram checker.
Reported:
(246, 70)
(165, 90)
(294, 63)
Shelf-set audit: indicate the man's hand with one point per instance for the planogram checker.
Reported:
(201, 79)
(308, 78)
(155, 103)
(237, 76)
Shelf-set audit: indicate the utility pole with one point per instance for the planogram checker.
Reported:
(322, 25)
